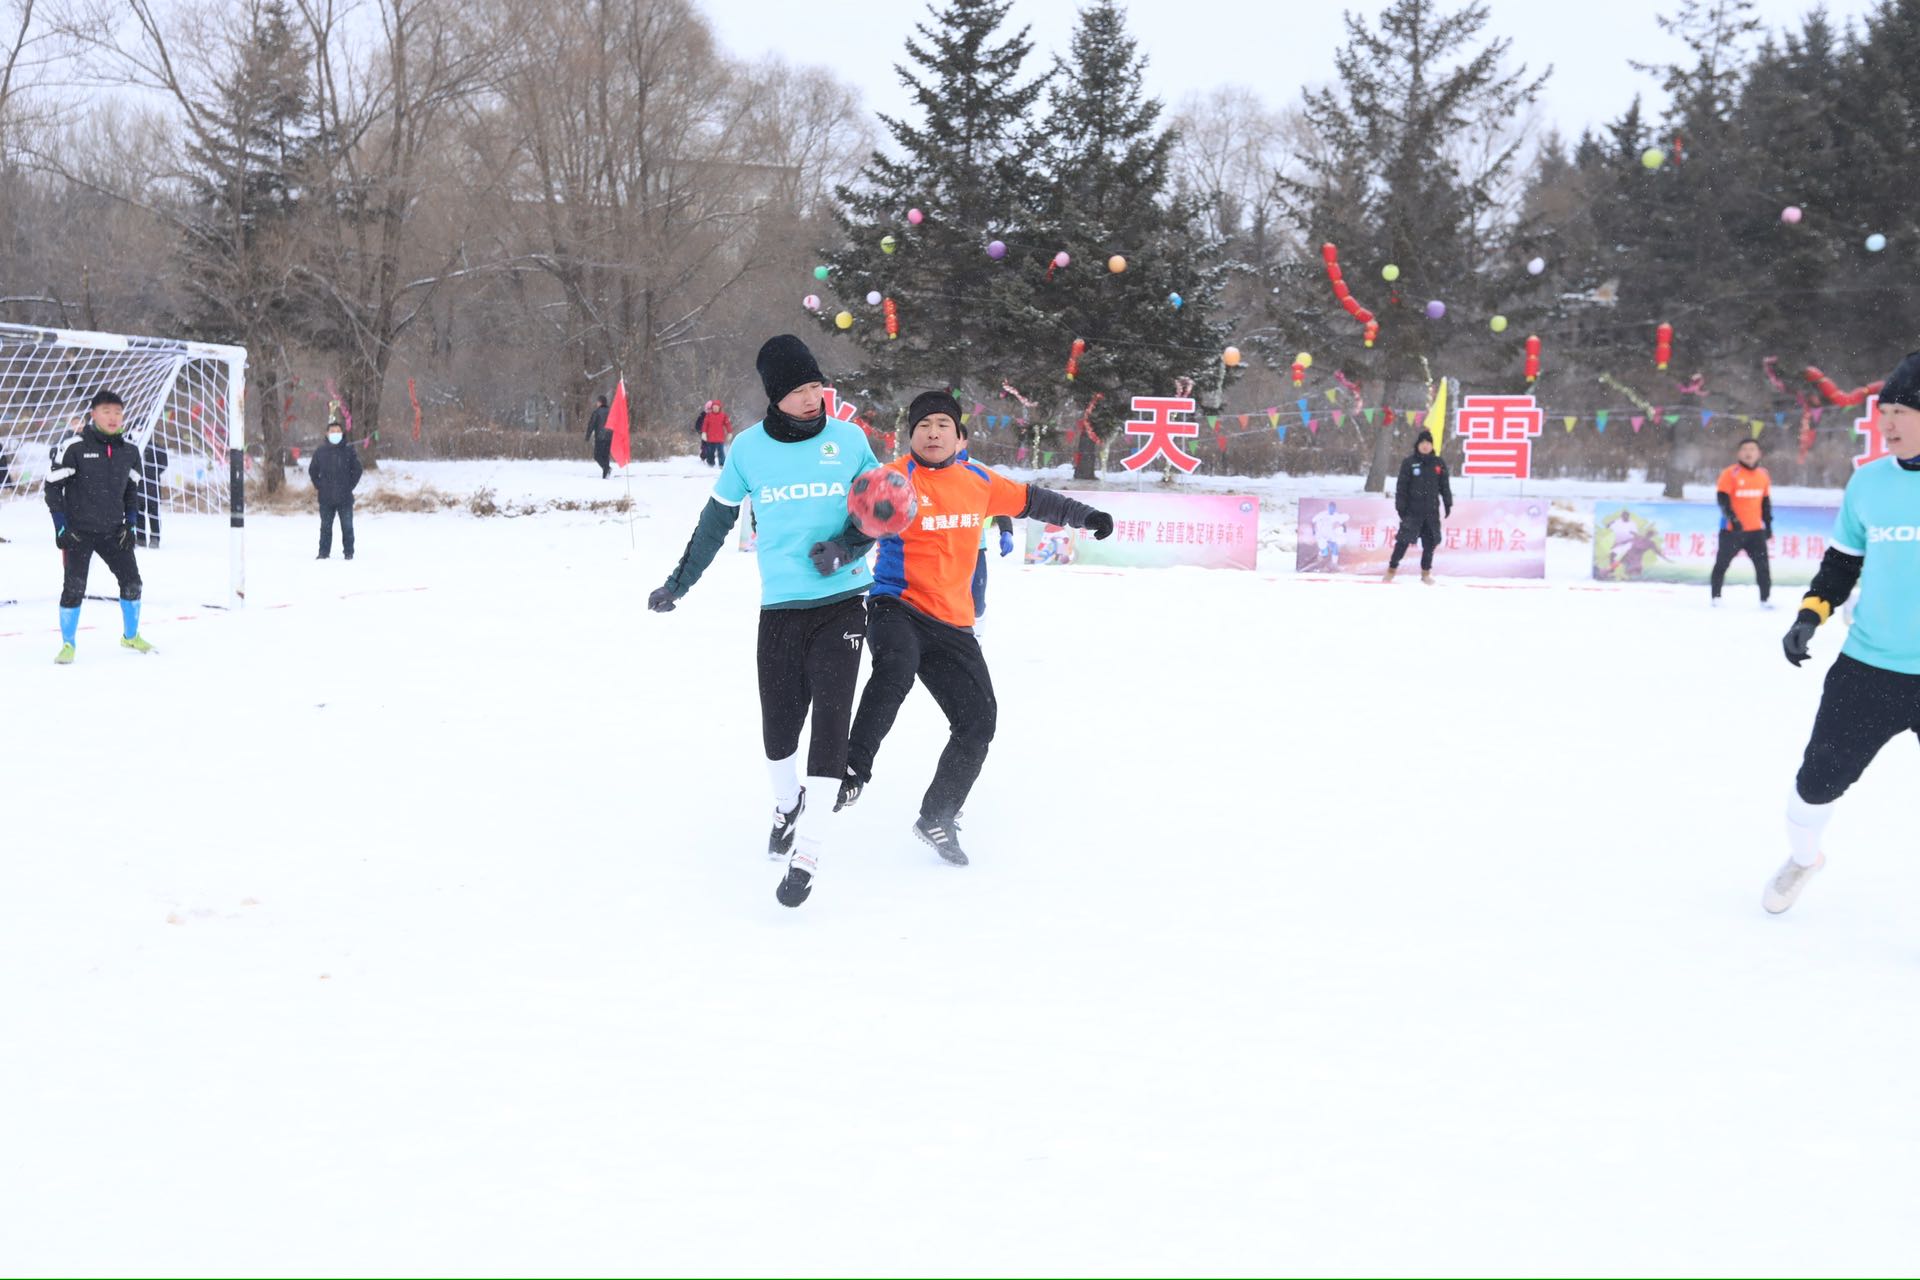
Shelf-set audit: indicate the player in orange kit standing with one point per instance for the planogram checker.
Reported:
(1746, 519)
(920, 611)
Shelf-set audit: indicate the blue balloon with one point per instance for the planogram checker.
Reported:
(1176, 300)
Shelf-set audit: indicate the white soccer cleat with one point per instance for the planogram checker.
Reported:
(1787, 883)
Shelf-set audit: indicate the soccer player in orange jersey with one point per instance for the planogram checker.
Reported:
(1746, 519)
(920, 612)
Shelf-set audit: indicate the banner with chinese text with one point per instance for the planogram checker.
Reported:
(1156, 531)
(1677, 541)
(1484, 538)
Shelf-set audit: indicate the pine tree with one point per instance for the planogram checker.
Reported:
(1107, 158)
(248, 151)
(1397, 182)
(967, 165)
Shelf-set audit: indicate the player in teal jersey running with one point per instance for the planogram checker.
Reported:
(1872, 694)
(795, 464)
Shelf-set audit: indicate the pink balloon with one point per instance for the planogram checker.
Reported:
(915, 216)
(1790, 214)
(1061, 259)
(811, 302)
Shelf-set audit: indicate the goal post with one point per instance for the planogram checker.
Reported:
(185, 411)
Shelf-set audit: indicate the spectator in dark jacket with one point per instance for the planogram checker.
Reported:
(601, 438)
(93, 490)
(335, 472)
(153, 467)
(1421, 496)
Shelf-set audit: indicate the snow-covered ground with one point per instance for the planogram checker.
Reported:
(416, 919)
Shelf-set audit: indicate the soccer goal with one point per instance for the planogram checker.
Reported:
(185, 406)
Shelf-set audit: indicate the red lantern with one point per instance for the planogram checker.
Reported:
(1073, 358)
(1373, 331)
(893, 318)
(1330, 253)
(1835, 395)
(1533, 358)
(1299, 373)
(1662, 347)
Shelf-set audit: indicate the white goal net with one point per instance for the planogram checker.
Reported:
(184, 411)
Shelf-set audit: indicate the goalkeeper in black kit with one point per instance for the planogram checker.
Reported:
(1872, 692)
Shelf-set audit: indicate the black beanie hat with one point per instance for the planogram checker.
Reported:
(928, 403)
(105, 397)
(785, 363)
(1903, 384)
(1424, 435)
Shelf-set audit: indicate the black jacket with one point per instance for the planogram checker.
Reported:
(596, 424)
(1423, 488)
(93, 485)
(335, 471)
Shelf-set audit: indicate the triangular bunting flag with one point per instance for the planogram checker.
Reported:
(1280, 430)
(1600, 420)
(965, 418)
(1817, 412)
(1273, 417)
(1417, 415)
(1369, 415)
(1758, 426)
(1779, 419)
(1637, 421)
(1333, 396)
(1339, 416)
(1302, 402)
(1213, 420)
(1672, 418)
(1311, 424)
(1243, 418)
(1570, 420)
(1706, 416)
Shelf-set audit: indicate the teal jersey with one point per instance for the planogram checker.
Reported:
(1880, 520)
(799, 494)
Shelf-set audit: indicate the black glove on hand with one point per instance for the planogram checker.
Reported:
(661, 600)
(124, 538)
(61, 537)
(1800, 636)
(1734, 525)
(1100, 525)
(1769, 532)
(829, 557)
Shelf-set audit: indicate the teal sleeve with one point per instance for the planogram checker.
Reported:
(731, 488)
(716, 522)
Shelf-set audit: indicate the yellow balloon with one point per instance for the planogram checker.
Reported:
(1230, 357)
(1498, 324)
(844, 319)
(1304, 360)
(1390, 273)
(1116, 264)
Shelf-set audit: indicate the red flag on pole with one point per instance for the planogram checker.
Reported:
(617, 423)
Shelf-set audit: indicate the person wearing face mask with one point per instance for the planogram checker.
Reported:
(335, 472)
(93, 493)
(1872, 690)
(922, 614)
(796, 465)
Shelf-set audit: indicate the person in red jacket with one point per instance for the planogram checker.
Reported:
(714, 427)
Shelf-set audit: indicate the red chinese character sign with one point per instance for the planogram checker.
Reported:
(1163, 433)
(1497, 433)
(1873, 446)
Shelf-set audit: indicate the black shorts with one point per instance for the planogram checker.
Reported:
(1862, 709)
(809, 660)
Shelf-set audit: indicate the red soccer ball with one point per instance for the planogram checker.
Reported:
(881, 502)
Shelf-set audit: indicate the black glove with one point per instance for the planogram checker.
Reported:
(1799, 636)
(1100, 525)
(1769, 531)
(124, 538)
(1733, 524)
(60, 535)
(1447, 514)
(829, 557)
(661, 600)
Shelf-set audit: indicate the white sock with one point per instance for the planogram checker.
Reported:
(785, 776)
(1805, 822)
(811, 841)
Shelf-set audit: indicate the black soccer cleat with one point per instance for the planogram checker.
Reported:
(850, 790)
(798, 883)
(943, 837)
(780, 840)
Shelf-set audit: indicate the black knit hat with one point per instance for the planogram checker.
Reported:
(1903, 384)
(785, 363)
(105, 397)
(1424, 435)
(928, 403)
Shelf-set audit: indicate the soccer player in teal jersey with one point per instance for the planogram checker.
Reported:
(796, 465)
(1872, 694)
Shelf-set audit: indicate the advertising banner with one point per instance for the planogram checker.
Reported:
(1156, 531)
(1677, 541)
(1484, 538)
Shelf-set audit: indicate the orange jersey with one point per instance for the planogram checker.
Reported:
(930, 564)
(1747, 490)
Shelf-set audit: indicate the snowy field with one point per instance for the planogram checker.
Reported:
(416, 919)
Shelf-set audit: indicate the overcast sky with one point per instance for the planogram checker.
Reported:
(1195, 44)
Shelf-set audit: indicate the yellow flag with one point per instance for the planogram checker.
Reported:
(1437, 416)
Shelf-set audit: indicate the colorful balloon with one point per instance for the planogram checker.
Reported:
(1436, 309)
(1304, 360)
(915, 217)
(873, 298)
(1536, 266)
(1176, 301)
(1790, 215)
(1061, 259)
(820, 273)
(1390, 273)
(1116, 264)
(1876, 242)
(888, 244)
(844, 319)
(811, 302)
(1653, 157)
(996, 250)
(1230, 357)
(1498, 324)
